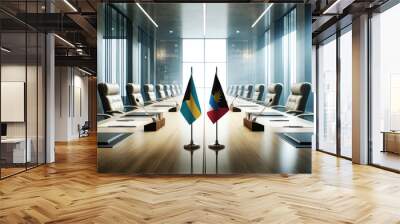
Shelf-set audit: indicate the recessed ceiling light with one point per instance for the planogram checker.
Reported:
(70, 5)
(171, 31)
(331, 7)
(65, 41)
(262, 14)
(147, 15)
(84, 71)
(5, 50)
(237, 31)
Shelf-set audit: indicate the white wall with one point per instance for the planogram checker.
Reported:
(71, 102)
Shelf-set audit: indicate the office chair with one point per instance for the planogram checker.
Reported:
(111, 99)
(235, 91)
(229, 90)
(149, 93)
(274, 94)
(241, 90)
(167, 91)
(297, 100)
(134, 95)
(173, 91)
(160, 92)
(232, 91)
(258, 93)
(248, 91)
(178, 91)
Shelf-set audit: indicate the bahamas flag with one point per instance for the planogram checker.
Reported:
(218, 103)
(190, 107)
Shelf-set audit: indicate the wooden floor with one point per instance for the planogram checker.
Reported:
(71, 191)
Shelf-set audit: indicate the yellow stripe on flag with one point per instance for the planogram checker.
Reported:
(191, 104)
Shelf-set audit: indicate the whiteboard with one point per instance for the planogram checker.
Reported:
(12, 101)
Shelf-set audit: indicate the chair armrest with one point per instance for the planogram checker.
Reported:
(278, 106)
(111, 112)
(129, 108)
(295, 112)
(305, 115)
(104, 116)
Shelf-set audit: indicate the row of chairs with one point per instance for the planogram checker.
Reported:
(296, 102)
(112, 102)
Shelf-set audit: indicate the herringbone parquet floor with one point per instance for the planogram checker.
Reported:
(71, 191)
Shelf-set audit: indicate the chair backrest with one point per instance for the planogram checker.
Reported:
(134, 95)
(149, 93)
(248, 91)
(297, 100)
(259, 92)
(232, 91)
(110, 97)
(178, 91)
(173, 90)
(167, 90)
(229, 90)
(274, 94)
(235, 90)
(241, 90)
(160, 91)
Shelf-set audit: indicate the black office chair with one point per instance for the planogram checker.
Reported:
(83, 131)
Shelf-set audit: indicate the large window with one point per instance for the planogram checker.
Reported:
(268, 59)
(327, 96)
(204, 56)
(385, 88)
(346, 93)
(289, 51)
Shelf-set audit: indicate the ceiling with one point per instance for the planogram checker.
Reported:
(186, 20)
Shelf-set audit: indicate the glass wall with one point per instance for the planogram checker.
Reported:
(204, 55)
(327, 95)
(346, 92)
(22, 100)
(289, 51)
(155, 135)
(385, 89)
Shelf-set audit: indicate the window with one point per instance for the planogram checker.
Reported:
(268, 63)
(204, 56)
(327, 96)
(346, 94)
(289, 51)
(385, 88)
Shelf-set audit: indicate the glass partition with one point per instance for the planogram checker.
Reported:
(178, 125)
(346, 93)
(385, 89)
(327, 96)
(22, 94)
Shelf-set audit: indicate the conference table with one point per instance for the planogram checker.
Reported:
(162, 152)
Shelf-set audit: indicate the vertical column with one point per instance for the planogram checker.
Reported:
(360, 90)
(50, 98)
